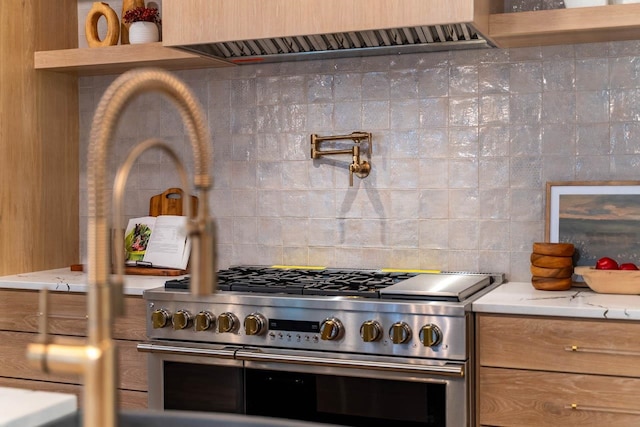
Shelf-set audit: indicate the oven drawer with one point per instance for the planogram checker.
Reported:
(513, 397)
(606, 347)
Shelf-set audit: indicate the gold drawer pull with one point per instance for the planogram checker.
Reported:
(576, 349)
(576, 407)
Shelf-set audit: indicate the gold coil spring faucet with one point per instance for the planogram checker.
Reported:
(96, 358)
(360, 168)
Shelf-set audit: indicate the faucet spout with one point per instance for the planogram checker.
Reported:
(97, 360)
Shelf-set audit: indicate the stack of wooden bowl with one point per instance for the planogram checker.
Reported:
(552, 266)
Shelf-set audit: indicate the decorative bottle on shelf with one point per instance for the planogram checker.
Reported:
(124, 28)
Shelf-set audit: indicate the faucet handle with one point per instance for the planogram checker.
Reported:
(357, 166)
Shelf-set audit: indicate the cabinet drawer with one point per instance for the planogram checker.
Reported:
(68, 312)
(13, 348)
(563, 345)
(513, 397)
(127, 399)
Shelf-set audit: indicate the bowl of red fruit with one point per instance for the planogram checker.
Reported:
(609, 277)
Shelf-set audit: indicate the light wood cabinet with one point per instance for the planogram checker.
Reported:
(18, 328)
(38, 139)
(564, 26)
(547, 371)
(233, 20)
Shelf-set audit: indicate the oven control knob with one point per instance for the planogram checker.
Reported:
(159, 318)
(400, 333)
(370, 331)
(254, 324)
(331, 329)
(227, 322)
(203, 321)
(181, 319)
(430, 335)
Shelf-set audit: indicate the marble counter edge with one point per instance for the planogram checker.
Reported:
(522, 299)
(65, 280)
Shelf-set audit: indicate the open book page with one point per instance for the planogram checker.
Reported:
(168, 245)
(157, 242)
(136, 238)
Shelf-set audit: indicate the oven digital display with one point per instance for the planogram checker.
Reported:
(294, 325)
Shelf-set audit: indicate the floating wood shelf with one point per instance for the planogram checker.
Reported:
(566, 26)
(120, 58)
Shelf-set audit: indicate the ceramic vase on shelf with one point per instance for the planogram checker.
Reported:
(124, 28)
(143, 32)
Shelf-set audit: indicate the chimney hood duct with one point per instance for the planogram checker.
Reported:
(259, 31)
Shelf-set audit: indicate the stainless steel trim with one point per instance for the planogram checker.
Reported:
(299, 50)
(227, 352)
(260, 356)
(444, 370)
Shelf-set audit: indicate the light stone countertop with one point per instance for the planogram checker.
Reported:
(30, 408)
(65, 280)
(522, 298)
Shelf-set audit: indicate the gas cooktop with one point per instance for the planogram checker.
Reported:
(345, 282)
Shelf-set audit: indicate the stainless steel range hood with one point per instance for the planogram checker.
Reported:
(251, 31)
(341, 45)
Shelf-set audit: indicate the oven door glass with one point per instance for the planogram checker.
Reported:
(344, 400)
(200, 387)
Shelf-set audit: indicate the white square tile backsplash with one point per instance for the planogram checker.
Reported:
(463, 144)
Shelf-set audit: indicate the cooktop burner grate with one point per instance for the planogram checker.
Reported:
(326, 282)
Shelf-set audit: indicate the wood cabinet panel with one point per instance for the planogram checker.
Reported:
(513, 397)
(39, 152)
(128, 399)
(565, 26)
(602, 347)
(132, 366)
(68, 313)
(232, 20)
(14, 364)
(13, 359)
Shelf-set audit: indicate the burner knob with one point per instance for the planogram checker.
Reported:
(430, 335)
(159, 318)
(254, 324)
(227, 322)
(370, 331)
(203, 321)
(400, 333)
(331, 329)
(181, 319)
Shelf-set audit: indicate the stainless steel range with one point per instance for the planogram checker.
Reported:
(348, 347)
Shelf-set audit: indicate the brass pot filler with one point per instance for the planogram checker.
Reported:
(360, 168)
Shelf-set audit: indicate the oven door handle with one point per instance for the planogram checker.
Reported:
(442, 370)
(226, 353)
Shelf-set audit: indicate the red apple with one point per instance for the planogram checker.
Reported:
(628, 266)
(606, 263)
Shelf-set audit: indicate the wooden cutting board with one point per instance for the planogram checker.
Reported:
(170, 203)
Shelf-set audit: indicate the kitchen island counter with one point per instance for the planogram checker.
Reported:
(65, 280)
(29, 408)
(522, 298)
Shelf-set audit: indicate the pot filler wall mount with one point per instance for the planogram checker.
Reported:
(359, 167)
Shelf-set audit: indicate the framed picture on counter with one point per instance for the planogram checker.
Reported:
(601, 218)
